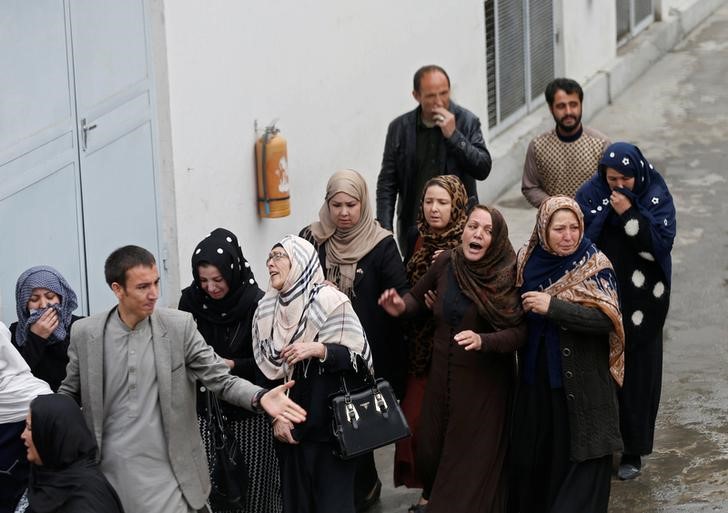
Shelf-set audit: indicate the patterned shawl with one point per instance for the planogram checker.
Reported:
(490, 282)
(585, 277)
(344, 248)
(650, 196)
(303, 310)
(420, 333)
(43, 276)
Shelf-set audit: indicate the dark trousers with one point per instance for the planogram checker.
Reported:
(313, 480)
(639, 398)
(14, 467)
(543, 478)
(366, 477)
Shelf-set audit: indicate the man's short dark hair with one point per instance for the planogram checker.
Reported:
(417, 80)
(567, 85)
(123, 259)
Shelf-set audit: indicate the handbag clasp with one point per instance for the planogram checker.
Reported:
(380, 404)
(351, 413)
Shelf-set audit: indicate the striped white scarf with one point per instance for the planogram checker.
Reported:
(304, 310)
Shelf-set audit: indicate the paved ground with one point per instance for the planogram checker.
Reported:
(677, 113)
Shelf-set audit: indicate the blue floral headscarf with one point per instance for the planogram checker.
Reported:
(650, 196)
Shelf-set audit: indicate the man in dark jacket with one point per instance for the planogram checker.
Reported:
(437, 138)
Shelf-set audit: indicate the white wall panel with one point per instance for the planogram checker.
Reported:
(334, 75)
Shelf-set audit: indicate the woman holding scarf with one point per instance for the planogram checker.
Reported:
(361, 259)
(306, 330)
(629, 213)
(44, 304)
(440, 224)
(466, 408)
(222, 298)
(566, 424)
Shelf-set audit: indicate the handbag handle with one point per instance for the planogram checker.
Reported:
(361, 368)
(215, 420)
(380, 403)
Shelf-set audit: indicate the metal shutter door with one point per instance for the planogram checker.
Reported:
(541, 42)
(490, 64)
(642, 10)
(512, 75)
(623, 25)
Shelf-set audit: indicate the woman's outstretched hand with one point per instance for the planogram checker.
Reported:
(276, 403)
(536, 302)
(392, 302)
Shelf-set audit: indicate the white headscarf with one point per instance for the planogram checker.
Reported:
(304, 310)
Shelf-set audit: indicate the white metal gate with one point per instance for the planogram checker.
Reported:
(77, 167)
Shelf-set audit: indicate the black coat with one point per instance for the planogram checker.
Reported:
(464, 154)
(46, 361)
(377, 271)
(591, 398)
(316, 381)
(218, 336)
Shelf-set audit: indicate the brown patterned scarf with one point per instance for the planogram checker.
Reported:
(589, 281)
(490, 282)
(420, 334)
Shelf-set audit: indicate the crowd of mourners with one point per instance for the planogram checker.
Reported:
(528, 378)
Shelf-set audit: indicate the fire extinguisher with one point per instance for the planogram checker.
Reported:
(271, 157)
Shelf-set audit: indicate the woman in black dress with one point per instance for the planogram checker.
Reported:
(361, 259)
(223, 297)
(566, 426)
(306, 331)
(64, 475)
(629, 214)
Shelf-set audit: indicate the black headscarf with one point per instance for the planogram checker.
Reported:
(69, 480)
(221, 249)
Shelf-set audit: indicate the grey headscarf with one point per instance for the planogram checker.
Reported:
(43, 276)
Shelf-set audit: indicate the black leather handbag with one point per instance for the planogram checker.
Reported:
(228, 473)
(365, 418)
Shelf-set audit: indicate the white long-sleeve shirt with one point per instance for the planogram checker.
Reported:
(17, 385)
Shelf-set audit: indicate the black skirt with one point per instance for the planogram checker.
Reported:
(543, 477)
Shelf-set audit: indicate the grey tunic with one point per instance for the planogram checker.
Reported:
(134, 456)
